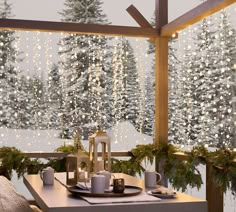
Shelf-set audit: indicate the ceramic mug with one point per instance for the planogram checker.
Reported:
(47, 176)
(108, 176)
(151, 178)
(98, 183)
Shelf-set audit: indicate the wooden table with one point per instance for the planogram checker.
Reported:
(56, 198)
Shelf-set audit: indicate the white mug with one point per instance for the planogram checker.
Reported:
(150, 178)
(98, 183)
(107, 175)
(47, 176)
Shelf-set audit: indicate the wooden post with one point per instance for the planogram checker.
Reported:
(214, 195)
(161, 92)
(161, 82)
(161, 75)
(161, 98)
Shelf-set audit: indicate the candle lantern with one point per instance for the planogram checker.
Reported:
(77, 167)
(99, 163)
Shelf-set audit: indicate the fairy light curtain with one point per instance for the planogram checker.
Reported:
(202, 76)
(202, 96)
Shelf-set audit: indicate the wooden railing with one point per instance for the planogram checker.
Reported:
(214, 196)
(63, 154)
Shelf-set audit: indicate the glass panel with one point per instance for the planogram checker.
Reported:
(202, 83)
(65, 82)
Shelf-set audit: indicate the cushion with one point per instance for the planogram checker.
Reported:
(10, 200)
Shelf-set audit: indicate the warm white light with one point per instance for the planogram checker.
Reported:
(173, 35)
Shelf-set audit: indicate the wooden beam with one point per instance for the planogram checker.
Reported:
(138, 17)
(94, 29)
(161, 10)
(193, 16)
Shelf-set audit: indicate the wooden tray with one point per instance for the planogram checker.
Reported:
(129, 191)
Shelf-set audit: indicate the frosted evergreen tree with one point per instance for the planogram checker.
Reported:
(223, 106)
(119, 95)
(199, 64)
(97, 93)
(38, 112)
(148, 103)
(23, 120)
(8, 72)
(126, 87)
(54, 99)
(132, 85)
(188, 107)
(175, 123)
(207, 104)
(78, 53)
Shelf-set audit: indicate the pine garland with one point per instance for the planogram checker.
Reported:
(13, 159)
(184, 173)
(181, 173)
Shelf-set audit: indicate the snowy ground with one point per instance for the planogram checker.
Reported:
(123, 137)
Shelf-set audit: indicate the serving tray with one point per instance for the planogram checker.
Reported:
(129, 191)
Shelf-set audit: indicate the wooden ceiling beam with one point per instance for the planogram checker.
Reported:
(193, 16)
(138, 17)
(76, 28)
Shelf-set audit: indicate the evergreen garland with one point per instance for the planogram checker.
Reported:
(13, 159)
(183, 173)
(180, 173)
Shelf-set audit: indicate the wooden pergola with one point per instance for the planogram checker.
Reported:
(160, 36)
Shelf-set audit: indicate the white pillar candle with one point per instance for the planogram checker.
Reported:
(81, 175)
(100, 165)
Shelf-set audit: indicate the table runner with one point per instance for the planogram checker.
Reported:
(142, 197)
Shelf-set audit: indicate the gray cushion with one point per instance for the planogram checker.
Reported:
(10, 200)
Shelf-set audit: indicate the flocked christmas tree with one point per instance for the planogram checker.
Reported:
(119, 95)
(25, 104)
(207, 85)
(223, 106)
(126, 87)
(133, 89)
(9, 101)
(174, 93)
(38, 112)
(78, 53)
(54, 99)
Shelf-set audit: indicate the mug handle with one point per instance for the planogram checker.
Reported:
(86, 186)
(41, 174)
(159, 176)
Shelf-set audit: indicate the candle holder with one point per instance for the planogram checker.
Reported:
(77, 167)
(97, 163)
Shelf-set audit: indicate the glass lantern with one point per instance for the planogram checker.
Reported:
(77, 168)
